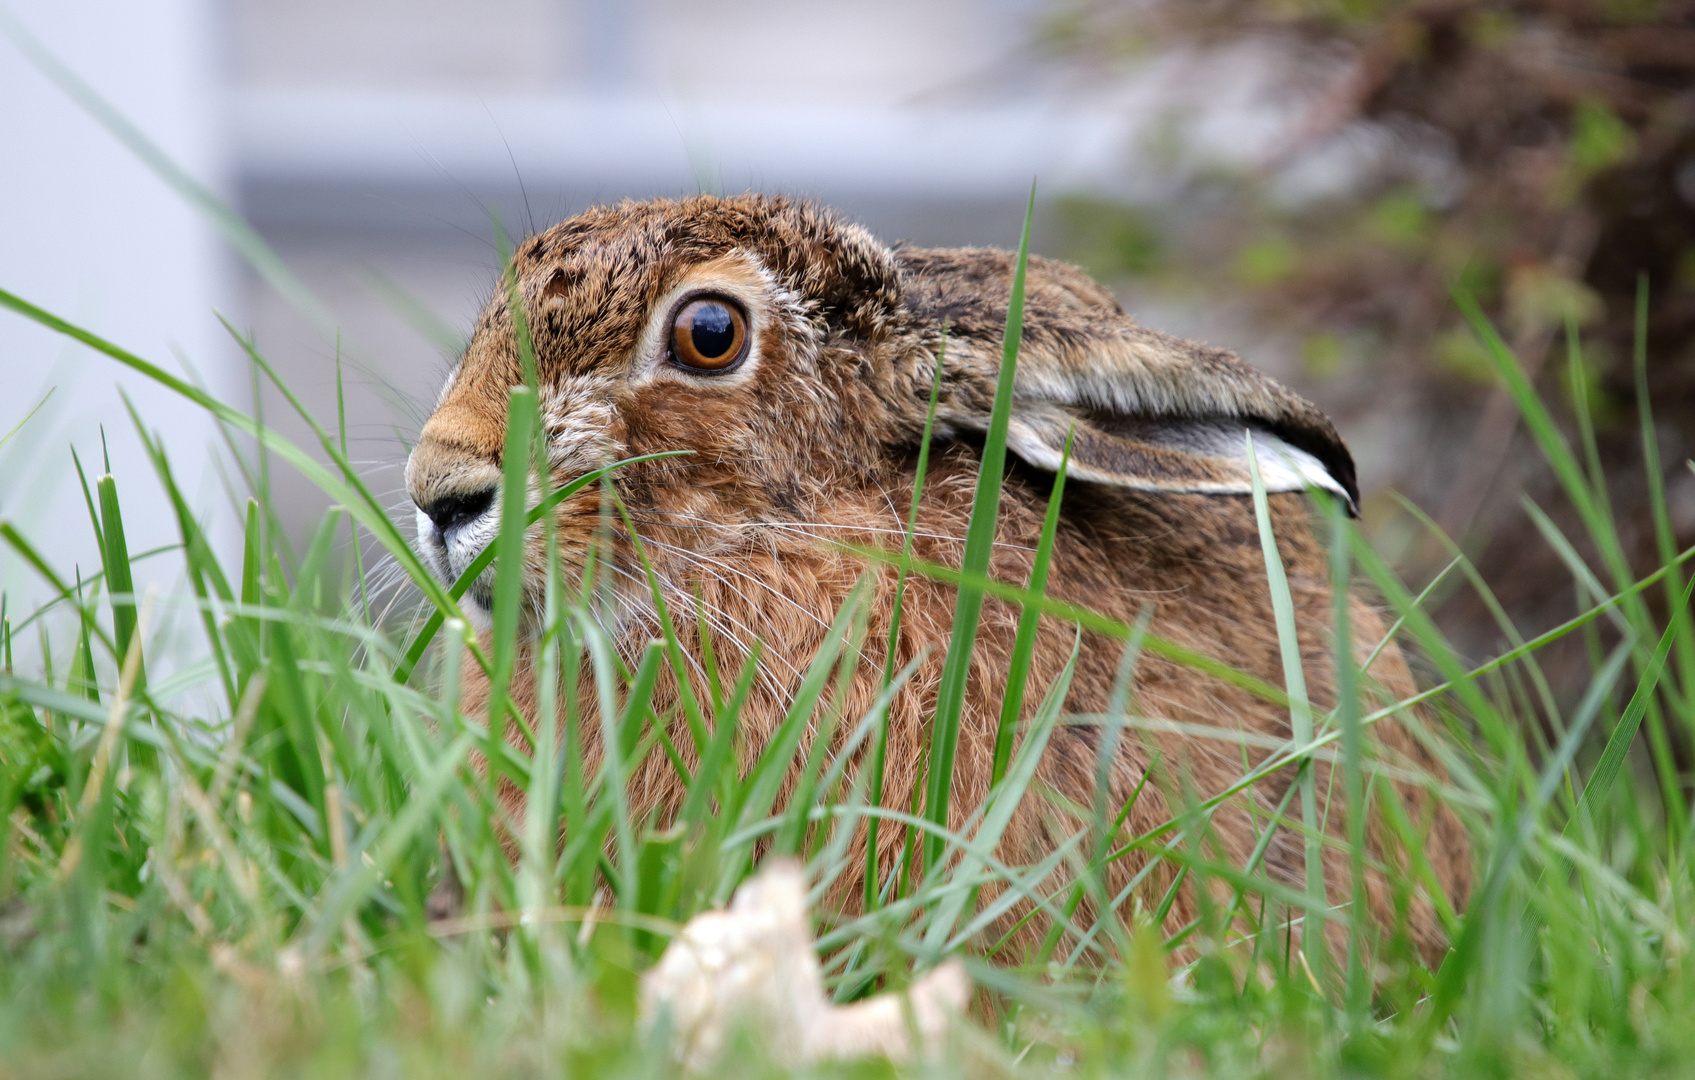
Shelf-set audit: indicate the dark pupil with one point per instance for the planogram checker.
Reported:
(712, 331)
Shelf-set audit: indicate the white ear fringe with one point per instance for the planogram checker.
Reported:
(1282, 467)
(1287, 468)
(754, 969)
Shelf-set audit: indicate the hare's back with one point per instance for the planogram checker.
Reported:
(968, 289)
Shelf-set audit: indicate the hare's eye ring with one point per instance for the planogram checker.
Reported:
(709, 334)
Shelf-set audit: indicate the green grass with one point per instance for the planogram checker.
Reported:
(219, 859)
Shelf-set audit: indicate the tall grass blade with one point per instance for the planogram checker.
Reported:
(1024, 642)
(1665, 537)
(979, 546)
(509, 571)
(120, 583)
(1353, 751)
(1624, 733)
(1003, 802)
(1300, 714)
(880, 742)
(27, 417)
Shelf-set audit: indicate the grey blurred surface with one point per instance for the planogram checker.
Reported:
(90, 233)
(874, 52)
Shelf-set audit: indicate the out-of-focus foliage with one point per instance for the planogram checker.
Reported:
(1539, 154)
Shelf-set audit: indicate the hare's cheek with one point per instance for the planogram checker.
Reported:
(583, 430)
(579, 521)
(571, 454)
(676, 415)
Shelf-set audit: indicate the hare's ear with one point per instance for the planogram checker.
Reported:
(1153, 413)
(1205, 455)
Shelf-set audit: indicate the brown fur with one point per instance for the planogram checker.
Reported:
(813, 442)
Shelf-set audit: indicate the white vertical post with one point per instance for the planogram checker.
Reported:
(89, 233)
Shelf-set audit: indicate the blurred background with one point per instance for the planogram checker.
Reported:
(1303, 181)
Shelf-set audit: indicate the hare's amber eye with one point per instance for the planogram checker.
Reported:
(709, 334)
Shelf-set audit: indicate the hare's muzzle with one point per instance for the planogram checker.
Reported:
(449, 512)
(455, 493)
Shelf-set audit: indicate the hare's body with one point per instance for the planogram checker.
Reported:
(805, 441)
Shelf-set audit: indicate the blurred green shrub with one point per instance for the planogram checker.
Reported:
(1538, 155)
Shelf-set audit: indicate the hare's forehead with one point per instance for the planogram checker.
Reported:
(637, 280)
(597, 316)
(603, 318)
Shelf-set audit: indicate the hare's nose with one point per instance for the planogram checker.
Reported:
(450, 511)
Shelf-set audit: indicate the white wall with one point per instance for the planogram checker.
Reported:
(87, 232)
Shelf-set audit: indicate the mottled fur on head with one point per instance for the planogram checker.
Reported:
(846, 336)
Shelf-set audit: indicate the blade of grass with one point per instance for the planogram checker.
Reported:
(508, 604)
(1024, 642)
(1348, 721)
(19, 426)
(1665, 536)
(616, 789)
(880, 745)
(1300, 713)
(1002, 804)
(1622, 735)
(979, 546)
(206, 577)
(120, 584)
(1554, 447)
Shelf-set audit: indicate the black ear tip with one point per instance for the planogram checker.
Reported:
(1319, 438)
(1341, 466)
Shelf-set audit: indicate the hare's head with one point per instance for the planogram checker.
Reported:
(793, 357)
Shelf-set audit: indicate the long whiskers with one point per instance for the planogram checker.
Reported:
(720, 617)
(684, 519)
(702, 559)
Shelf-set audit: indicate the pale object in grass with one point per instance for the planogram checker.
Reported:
(753, 968)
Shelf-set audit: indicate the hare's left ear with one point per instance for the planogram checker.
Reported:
(1205, 455)
(1154, 413)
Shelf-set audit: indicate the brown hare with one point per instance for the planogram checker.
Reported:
(794, 355)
